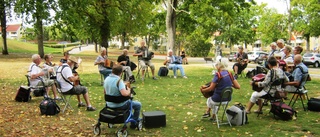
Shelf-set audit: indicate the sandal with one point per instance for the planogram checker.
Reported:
(248, 112)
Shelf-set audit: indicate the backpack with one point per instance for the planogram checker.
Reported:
(23, 94)
(49, 107)
(237, 115)
(209, 94)
(163, 71)
(282, 111)
(314, 104)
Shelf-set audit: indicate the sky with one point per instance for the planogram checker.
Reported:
(279, 5)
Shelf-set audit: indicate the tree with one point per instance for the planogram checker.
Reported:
(171, 23)
(5, 6)
(270, 25)
(305, 14)
(36, 11)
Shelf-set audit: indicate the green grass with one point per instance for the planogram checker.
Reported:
(179, 98)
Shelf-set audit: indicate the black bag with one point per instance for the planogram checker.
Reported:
(49, 107)
(114, 116)
(23, 94)
(282, 110)
(154, 119)
(39, 91)
(163, 71)
(314, 104)
(251, 73)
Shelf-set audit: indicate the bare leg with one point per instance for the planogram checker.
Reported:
(142, 73)
(260, 105)
(86, 98)
(54, 90)
(249, 106)
(78, 97)
(235, 69)
(152, 71)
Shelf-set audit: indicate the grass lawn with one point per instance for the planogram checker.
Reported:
(179, 98)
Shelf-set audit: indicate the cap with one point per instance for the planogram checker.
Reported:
(73, 59)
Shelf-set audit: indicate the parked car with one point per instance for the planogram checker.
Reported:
(232, 56)
(311, 59)
(254, 55)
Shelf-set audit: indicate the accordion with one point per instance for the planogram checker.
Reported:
(258, 78)
(147, 55)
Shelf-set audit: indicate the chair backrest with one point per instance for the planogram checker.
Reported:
(28, 78)
(277, 82)
(226, 93)
(303, 80)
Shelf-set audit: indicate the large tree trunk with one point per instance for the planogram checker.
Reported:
(3, 27)
(171, 23)
(123, 38)
(39, 32)
(308, 42)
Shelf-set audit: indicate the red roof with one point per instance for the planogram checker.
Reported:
(292, 37)
(11, 28)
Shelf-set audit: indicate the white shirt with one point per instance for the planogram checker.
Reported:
(67, 73)
(34, 69)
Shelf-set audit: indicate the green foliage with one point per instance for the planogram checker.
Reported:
(197, 46)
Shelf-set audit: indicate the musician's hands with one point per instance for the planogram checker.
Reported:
(251, 82)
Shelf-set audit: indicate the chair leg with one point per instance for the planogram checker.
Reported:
(302, 102)
(295, 100)
(291, 99)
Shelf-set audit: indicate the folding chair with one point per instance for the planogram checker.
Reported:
(65, 98)
(301, 91)
(225, 94)
(146, 73)
(33, 88)
(268, 96)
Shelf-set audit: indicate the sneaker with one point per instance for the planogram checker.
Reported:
(91, 109)
(57, 98)
(81, 104)
(206, 115)
(185, 77)
(154, 78)
(174, 76)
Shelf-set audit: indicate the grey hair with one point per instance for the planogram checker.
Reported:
(273, 43)
(169, 51)
(34, 57)
(103, 49)
(280, 41)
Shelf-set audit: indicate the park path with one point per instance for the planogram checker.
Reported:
(90, 47)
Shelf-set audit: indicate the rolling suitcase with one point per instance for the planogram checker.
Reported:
(154, 119)
(237, 115)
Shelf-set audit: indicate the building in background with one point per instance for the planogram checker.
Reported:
(14, 31)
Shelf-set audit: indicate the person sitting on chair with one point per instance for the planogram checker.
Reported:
(67, 81)
(65, 58)
(174, 63)
(49, 65)
(144, 59)
(297, 73)
(100, 61)
(242, 63)
(217, 85)
(124, 60)
(38, 75)
(287, 55)
(277, 74)
(114, 86)
(184, 58)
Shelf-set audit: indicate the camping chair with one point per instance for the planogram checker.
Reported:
(226, 93)
(301, 91)
(65, 98)
(146, 73)
(268, 97)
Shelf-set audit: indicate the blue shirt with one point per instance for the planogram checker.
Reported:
(224, 82)
(110, 85)
(297, 74)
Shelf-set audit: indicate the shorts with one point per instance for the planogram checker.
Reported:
(47, 83)
(77, 90)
